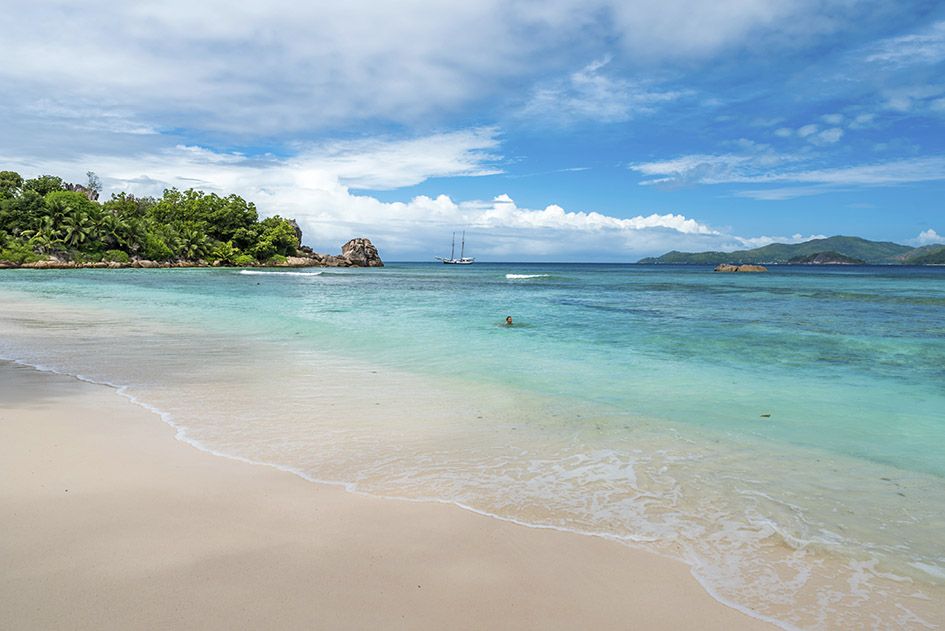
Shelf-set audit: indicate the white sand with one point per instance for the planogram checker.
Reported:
(108, 522)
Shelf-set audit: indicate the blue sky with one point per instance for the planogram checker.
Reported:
(548, 130)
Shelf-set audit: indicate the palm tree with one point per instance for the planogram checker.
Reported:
(57, 209)
(114, 231)
(44, 237)
(134, 233)
(77, 228)
(194, 243)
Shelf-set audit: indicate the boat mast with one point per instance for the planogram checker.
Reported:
(462, 248)
(453, 247)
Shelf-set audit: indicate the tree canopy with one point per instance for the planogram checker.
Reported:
(42, 217)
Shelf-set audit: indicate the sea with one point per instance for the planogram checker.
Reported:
(783, 433)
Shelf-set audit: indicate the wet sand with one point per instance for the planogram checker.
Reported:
(109, 522)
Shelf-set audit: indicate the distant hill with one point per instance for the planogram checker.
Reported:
(870, 252)
(934, 257)
(825, 258)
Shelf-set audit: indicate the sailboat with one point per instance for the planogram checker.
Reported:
(462, 260)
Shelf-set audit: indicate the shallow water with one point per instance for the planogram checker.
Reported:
(784, 433)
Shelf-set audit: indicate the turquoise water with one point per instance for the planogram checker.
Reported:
(784, 433)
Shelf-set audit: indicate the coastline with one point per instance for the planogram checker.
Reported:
(112, 523)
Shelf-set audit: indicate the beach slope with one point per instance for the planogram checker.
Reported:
(111, 523)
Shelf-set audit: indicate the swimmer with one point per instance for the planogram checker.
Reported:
(508, 321)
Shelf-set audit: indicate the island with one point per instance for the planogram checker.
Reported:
(46, 223)
(825, 258)
(832, 250)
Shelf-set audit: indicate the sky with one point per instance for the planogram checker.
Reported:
(547, 130)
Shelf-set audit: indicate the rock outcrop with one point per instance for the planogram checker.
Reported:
(298, 232)
(90, 194)
(361, 252)
(728, 267)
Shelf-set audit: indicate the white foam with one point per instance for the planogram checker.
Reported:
(257, 272)
(524, 276)
(931, 570)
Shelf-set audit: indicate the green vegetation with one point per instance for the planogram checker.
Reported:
(45, 217)
(934, 257)
(826, 258)
(862, 250)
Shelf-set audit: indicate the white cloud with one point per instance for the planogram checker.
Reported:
(862, 121)
(729, 168)
(330, 213)
(261, 68)
(928, 169)
(827, 136)
(926, 48)
(687, 28)
(386, 164)
(277, 68)
(505, 214)
(807, 130)
(713, 169)
(94, 117)
(928, 237)
(912, 98)
(591, 94)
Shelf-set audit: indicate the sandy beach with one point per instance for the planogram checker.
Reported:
(111, 523)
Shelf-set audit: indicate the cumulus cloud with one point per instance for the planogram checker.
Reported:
(862, 121)
(807, 130)
(302, 107)
(814, 135)
(330, 213)
(928, 237)
(912, 98)
(827, 136)
(504, 213)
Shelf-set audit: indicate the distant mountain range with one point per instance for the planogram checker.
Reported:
(862, 250)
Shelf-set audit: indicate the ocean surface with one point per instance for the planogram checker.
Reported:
(781, 432)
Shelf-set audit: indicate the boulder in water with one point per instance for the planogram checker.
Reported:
(361, 252)
(728, 267)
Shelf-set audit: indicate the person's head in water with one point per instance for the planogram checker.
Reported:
(508, 320)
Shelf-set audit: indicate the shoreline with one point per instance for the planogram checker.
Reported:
(113, 523)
